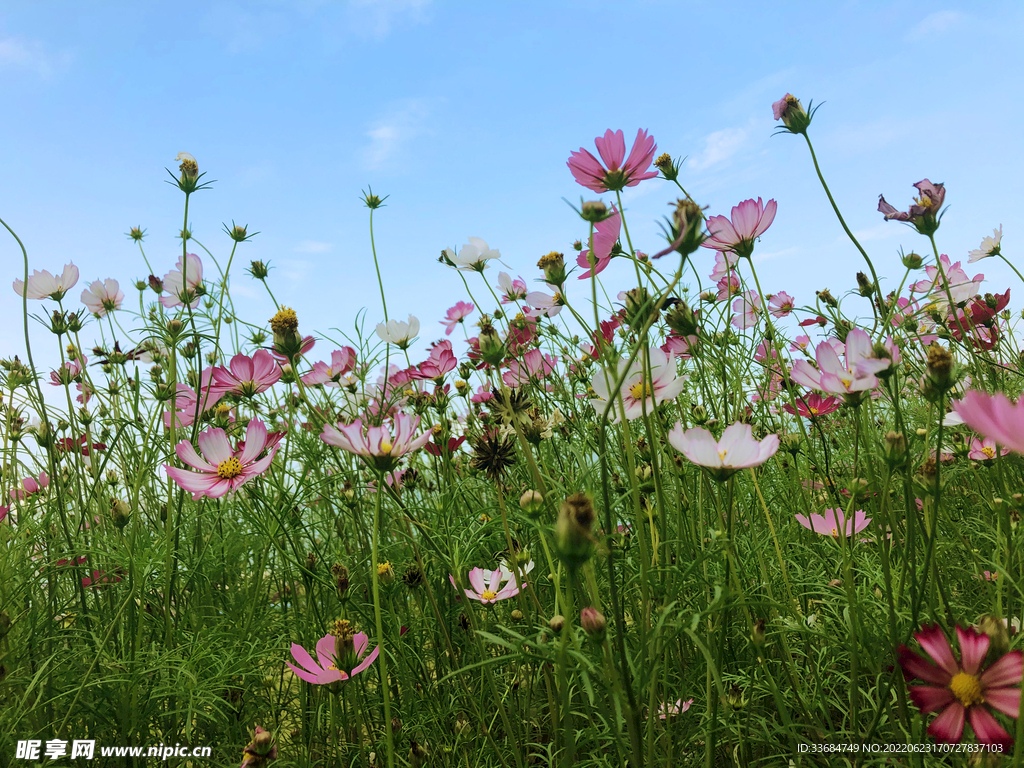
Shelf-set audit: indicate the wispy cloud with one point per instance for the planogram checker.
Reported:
(390, 135)
(313, 246)
(760, 256)
(882, 231)
(934, 24)
(295, 270)
(32, 55)
(378, 17)
(719, 146)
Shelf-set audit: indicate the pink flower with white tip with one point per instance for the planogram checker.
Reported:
(456, 315)
(490, 591)
(248, 376)
(440, 362)
(377, 445)
(855, 373)
(606, 234)
(750, 219)
(512, 290)
(103, 296)
(722, 458)
(780, 304)
(614, 175)
(985, 450)
(181, 283)
(534, 365)
(43, 285)
(335, 374)
(748, 310)
(639, 392)
(221, 469)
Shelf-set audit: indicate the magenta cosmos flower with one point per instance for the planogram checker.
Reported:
(377, 445)
(327, 670)
(181, 283)
(43, 285)
(750, 220)
(534, 365)
(68, 372)
(962, 690)
(30, 485)
(440, 362)
(614, 175)
(606, 234)
(639, 392)
(834, 521)
(722, 458)
(103, 296)
(223, 470)
(492, 591)
(995, 417)
(456, 315)
(813, 405)
(247, 376)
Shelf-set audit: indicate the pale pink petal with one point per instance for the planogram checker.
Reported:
(215, 446)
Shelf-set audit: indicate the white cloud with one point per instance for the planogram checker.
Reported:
(882, 231)
(719, 146)
(377, 17)
(934, 24)
(313, 246)
(31, 54)
(295, 270)
(760, 256)
(390, 135)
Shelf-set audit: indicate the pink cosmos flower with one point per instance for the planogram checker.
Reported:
(748, 307)
(327, 670)
(813, 405)
(606, 234)
(923, 211)
(103, 296)
(377, 445)
(223, 470)
(247, 376)
(448, 447)
(984, 450)
(750, 220)
(99, 579)
(181, 283)
(728, 286)
(335, 374)
(544, 304)
(3, 513)
(304, 347)
(722, 458)
(493, 590)
(440, 362)
(456, 315)
(30, 485)
(679, 346)
(994, 417)
(639, 393)
(512, 290)
(834, 521)
(185, 401)
(68, 372)
(725, 264)
(482, 395)
(800, 343)
(856, 373)
(667, 710)
(962, 690)
(781, 304)
(588, 170)
(961, 287)
(43, 285)
(534, 364)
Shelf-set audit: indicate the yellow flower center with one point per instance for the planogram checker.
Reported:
(284, 320)
(383, 568)
(641, 391)
(813, 410)
(488, 594)
(924, 201)
(386, 447)
(343, 628)
(722, 452)
(990, 452)
(967, 688)
(229, 468)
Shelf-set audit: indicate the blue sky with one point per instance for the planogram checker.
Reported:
(465, 114)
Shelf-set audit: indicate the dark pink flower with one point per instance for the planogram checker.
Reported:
(99, 579)
(222, 470)
(606, 234)
(750, 220)
(440, 362)
(813, 405)
(30, 485)
(614, 175)
(456, 315)
(247, 376)
(962, 690)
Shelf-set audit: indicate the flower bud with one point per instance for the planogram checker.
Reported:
(156, 284)
(341, 580)
(531, 502)
(572, 530)
(864, 286)
(556, 623)
(492, 349)
(553, 266)
(825, 296)
(791, 112)
(682, 319)
(790, 442)
(258, 270)
(120, 513)
(640, 308)
(895, 450)
(385, 573)
(912, 261)
(593, 622)
(940, 368)
(999, 636)
(517, 615)
(757, 634)
(594, 211)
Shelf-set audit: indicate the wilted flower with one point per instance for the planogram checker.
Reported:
(259, 750)
(722, 458)
(588, 170)
(43, 285)
(924, 213)
(791, 112)
(962, 690)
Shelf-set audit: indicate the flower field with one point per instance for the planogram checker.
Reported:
(681, 520)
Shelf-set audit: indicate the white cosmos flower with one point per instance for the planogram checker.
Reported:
(399, 332)
(989, 246)
(473, 256)
(508, 573)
